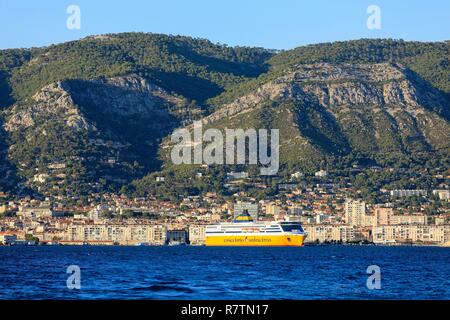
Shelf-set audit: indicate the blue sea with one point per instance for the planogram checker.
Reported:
(316, 272)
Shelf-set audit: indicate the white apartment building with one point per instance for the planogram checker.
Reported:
(323, 233)
(355, 213)
(197, 235)
(122, 234)
(411, 233)
(409, 219)
(408, 193)
(382, 216)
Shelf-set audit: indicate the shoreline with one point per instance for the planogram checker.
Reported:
(188, 245)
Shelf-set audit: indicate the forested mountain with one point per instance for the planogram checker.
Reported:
(430, 60)
(194, 68)
(89, 115)
(339, 116)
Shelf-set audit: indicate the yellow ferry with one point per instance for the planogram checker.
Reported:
(243, 231)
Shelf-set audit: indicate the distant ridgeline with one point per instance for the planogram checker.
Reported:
(94, 115)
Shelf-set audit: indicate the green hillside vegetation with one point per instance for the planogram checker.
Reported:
(194, 68)
(205, 77)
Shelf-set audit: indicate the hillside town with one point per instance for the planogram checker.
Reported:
(329, 215)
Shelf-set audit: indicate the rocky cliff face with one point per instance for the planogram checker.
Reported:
(335, 86)
(84, 135)
(7, 174)
(327, 110)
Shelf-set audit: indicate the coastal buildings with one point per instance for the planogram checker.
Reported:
(383, 216)
(197, 234)
(411, 234)
(386, 216)
(355, 213)
(328, 212)
(7, 238)
(438, 221)
(128, 234)
(329, 233)
(420, 219)
(177, 237)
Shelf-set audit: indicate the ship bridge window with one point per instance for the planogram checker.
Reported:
(292, 227)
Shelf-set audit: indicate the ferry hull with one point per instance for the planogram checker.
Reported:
(294, 240)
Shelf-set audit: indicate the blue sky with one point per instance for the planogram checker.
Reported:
(280, 24)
